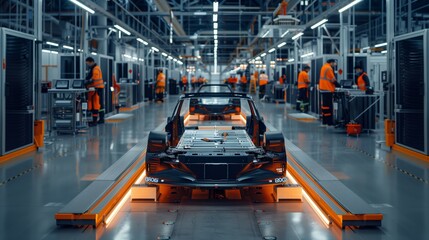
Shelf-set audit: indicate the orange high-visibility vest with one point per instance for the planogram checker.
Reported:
(361, 82)
(97, 78)
(263, 79)
(160, 80)
(327, 78)
(243, 79)
(184, 80)
(303, 80)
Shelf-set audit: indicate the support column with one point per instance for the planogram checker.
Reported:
(38, 32)
(102, 32)
(390, 32)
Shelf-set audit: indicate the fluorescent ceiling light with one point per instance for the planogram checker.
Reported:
(52, 44)
(112, 29)
(265, 34)
(215, 32)
(263, 54)
(200, 13)
(135, 58)
(93, 53)
(297, 36)
(215, 25)
(281, 44)
(291, 60)
(142, 41)
(385, 51)
(46, 51)
(214, 17)
(271, 50)
(215, 37)
(307, 54)
(381, 45)
(164, 54)
(216, 41)
(284, 34)
(258, 58)
(215, 6)
(81, 5)
(127, 56)
(141, 59)
(323, 21)
(68, 47)
(155, 49)
(365, 48)
(54, 52)
(122, 29)
(349, 5)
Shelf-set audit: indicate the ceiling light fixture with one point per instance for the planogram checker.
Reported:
(215, 6)
(155, 49)
(214, 17)
(320, 23)
(297, 36)
(349, 5)
(122, 29)
(281, 44)
(284, 34)
(84, 7)
(381, 45)
(52, 44)
(68, 47)
(142, 41)
(271, 50)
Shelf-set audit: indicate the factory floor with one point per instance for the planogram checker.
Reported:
(35, 186)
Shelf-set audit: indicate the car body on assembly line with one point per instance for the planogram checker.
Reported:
(216, 138)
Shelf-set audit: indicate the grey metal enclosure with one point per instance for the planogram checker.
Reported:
(411, 90)
(17, 87)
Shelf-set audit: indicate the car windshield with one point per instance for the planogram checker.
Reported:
(214, 89)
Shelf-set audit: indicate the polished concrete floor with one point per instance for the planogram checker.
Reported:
(35, 186)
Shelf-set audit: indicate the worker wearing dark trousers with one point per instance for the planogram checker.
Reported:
(327, 83)
(263, 81)
(160, 86)
(95, 84)
(303, 82)
(362, 80)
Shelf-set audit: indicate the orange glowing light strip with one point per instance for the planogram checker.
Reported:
(121, 203)
(313, 205)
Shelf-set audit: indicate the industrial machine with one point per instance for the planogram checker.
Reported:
(130, 75)
(216, 138)
(17, 90)
(67, 104)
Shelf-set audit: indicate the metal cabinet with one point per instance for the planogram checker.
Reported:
(17, 90)
(411, 90)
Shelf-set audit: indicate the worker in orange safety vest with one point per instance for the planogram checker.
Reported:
(160, 86)
(95, 84)
(303, 84)
(362, 80)
(327, 83)
(184, 82)
(263, 81)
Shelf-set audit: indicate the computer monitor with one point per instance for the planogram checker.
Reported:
(77, 84)
(346, 83)
(62, 84)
